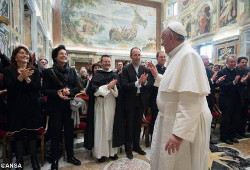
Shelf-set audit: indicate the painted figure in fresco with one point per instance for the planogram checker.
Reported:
(187, 26)
(204, 20)
(184, 2)
(228, 11)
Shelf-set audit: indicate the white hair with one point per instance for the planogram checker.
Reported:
(83, 69)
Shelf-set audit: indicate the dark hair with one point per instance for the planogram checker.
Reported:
(105, 56)
(217, 65)
(177, 36)
(125, 62)
(43, 59)
(157, 54)
(133, 49)
(56, 50)
(94, 65)
(211, 64)
(241, 58)
(13, 62)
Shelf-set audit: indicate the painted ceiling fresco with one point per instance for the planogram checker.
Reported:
(108, 24)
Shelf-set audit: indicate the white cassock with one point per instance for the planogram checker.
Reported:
(104, 113)
(184, 112)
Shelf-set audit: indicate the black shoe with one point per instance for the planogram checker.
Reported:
(74, 161)
(234, 140)
(101, 160)
(213, 142)
(34, 163)
(129, 155)
(54, 165)
(238, 136)
(140, 151)
(19, 163)
(227, 141)
(115, 157)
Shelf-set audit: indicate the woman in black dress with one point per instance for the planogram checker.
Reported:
(59, 84)
(23, 84)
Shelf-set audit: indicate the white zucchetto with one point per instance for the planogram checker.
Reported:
(178, 28)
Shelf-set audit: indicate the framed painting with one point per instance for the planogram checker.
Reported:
(5, 41)
(222, 51)
(122, 26)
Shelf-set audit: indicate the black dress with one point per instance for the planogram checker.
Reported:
(23, 100)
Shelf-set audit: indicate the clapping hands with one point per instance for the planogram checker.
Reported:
(112, 84)
(25, 73)
(63, 93)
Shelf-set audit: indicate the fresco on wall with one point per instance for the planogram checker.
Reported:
(108, 24)
(40, 43)
(5, 41)
(228, 12)
(15, 41)
(184, 3)
(27, 32)
(203, 25)
(16, 15)
(4, 8)
(187, 24)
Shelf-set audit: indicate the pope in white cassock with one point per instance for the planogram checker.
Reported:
(182, 129)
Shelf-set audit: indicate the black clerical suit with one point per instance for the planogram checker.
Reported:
(230, 103)
(152, 97)
(135, 104)
(211, 96)
(245, 103)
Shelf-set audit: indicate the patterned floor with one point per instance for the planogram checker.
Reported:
(222, 157)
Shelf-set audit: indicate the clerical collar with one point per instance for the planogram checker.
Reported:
(175, 50)
(230, 68)
(105, 70)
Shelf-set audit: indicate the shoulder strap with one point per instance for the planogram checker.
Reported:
(57, 78)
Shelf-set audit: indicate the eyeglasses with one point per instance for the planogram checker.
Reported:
(63, 53)
(162, 57)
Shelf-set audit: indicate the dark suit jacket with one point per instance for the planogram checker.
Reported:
(128, 84)
(229, 93)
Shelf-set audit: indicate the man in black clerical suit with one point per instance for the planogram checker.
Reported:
(242, 68)
(134, 82)
(229, 100)
(161, 60)
(211, 78)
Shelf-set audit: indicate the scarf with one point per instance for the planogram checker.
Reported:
(62, 72)
(75, 104)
